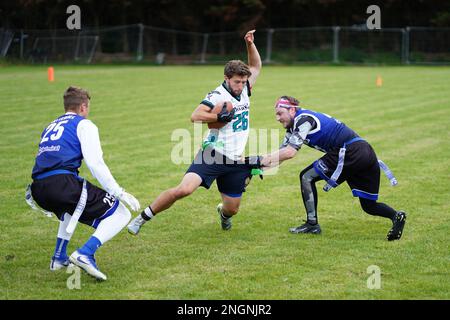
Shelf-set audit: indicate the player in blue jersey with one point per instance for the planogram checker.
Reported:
(58, 188)
(348, 158)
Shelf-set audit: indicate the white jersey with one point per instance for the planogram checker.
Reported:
(231, 139)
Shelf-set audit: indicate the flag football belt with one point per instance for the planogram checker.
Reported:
(210, 147)
(253, 172)
(332, 182)
(211, 144)
(53, 173)
(29, 199)
(78, 209)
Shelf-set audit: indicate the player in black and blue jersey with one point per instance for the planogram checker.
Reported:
(348, 157)
(58, 188)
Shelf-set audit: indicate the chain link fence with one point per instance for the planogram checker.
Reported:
(140, 43)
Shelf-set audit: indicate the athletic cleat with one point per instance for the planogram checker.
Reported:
(135, 225)
(397, 228)
(225, 222)
(306, 228)
(87, 263)
(59, 263)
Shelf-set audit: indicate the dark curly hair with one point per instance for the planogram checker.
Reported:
(236, 67)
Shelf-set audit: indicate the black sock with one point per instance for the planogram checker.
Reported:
(224, 216)
(377, 208)
(147, 214)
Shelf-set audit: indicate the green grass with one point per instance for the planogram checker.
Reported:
(183, 253)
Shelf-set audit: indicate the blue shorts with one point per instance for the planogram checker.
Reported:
(232, 176)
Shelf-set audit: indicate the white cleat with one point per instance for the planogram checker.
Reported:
(56, 264)
(87, 263)
(135, 225)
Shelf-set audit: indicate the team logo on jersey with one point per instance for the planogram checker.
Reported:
(241, 107)
(211, 93)
(48, 149)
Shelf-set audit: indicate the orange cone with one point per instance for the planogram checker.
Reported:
(379, 81)
(51, 74)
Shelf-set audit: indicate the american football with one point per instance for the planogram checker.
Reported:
(217, 109)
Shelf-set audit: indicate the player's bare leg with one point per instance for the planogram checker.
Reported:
(191, 181)
(228, 208)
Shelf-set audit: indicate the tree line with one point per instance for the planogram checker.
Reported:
(221, 15)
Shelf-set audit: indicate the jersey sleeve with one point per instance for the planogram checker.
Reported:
(302, 119)
(87, 133)
(285, 140)
(212, 98)
(302, 126)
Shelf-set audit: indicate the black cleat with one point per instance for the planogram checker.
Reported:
(306, 228)
(397, 228)
(224, 222)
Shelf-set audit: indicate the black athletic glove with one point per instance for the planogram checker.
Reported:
(253, 162)
(224, 115)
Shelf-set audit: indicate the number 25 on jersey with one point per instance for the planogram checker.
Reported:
(57, 129)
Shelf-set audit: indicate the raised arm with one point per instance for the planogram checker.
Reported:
(254, 59)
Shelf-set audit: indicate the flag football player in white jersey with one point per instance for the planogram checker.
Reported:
(58, 188)
(221, 156)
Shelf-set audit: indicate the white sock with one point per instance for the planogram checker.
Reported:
(62, 233)
(112, 225)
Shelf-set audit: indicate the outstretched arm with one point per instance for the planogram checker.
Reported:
(254, 59)
(290, 146)
(276, 158)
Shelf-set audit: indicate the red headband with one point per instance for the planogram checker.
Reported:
(284, 103)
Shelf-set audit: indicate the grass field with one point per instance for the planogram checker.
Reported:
(183, 253)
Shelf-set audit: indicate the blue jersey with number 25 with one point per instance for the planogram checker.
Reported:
(59, 147)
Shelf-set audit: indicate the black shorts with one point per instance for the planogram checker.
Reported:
(232, 176)
(60, 194)
(361, 169)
